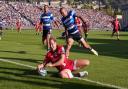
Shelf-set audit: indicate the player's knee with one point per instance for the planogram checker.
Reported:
(63, 74)
(66, 74)
(82, 40)
(70, 43)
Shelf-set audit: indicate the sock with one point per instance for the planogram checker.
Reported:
(86, 34)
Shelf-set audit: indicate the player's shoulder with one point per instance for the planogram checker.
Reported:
(42, 14)
(62, 19)
(49, 13)
(60, 48)
(77, 18)
(71, 12)
(49, 53)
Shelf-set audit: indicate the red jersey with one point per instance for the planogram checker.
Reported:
(38, 26)
(18, 24)
(53, 57)
(78, 22)
(116, 24)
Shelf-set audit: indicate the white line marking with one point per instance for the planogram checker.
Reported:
(16, 63)
(103, 84)
(91, 81)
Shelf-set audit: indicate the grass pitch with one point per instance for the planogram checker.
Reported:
(110, 67)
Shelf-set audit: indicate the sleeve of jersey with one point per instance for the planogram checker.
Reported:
(52, 17)
(73, 14)
(62, 21)
(62, 50)
(47, 58)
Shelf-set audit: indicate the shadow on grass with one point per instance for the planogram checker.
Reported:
(106, 47)
(59, 85)
(18, 52)
(29, 72)
(30, 77)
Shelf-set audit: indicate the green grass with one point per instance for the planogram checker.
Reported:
(111, 66)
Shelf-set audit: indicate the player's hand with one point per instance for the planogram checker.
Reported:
(40, 66)
(49, 65)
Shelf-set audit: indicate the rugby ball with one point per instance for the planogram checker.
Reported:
(42, 72)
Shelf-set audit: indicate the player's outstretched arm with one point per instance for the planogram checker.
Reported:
(42, 65)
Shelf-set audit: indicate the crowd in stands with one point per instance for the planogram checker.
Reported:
(10, 16)
(29, 14)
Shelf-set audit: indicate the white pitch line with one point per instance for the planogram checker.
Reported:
(103, 84)
(91, 81)
(16, 63)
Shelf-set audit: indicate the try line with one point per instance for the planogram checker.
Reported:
(91, 81)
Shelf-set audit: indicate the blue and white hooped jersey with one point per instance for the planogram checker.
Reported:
(46, 19)
(69, 22)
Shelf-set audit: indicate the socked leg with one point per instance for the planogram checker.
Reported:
(70, 42)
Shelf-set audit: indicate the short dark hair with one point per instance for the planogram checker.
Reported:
(61, 8)
(45, 5)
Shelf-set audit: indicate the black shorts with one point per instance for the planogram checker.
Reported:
(77, 37)
(1, 28)
(115, 30)
(46, 32)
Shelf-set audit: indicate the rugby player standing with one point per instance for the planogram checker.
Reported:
(116, 28)
(18, 25)
(72, 31)
(38, 27)
(46, 20)
(1, 29)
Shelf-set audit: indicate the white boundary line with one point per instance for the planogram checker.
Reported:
(16, 63)
(103, 84)
(91, 81)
